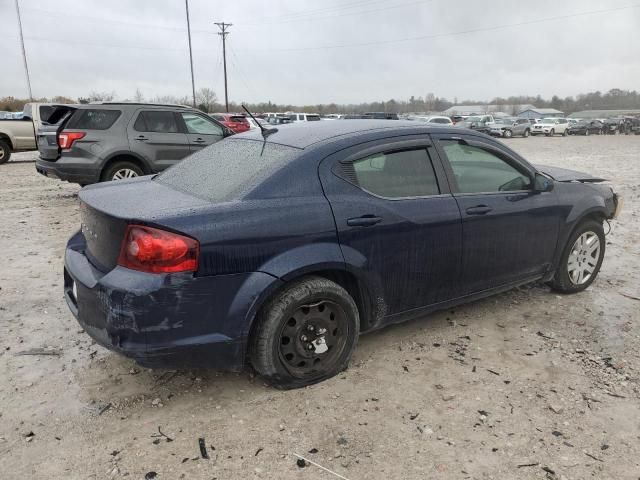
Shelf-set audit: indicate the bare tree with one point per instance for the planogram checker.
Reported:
(205, 98)
(101, 96)
(138, 97)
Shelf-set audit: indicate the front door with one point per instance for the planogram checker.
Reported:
(154, 134)
(509, 231)
(201, 131)
(397, 222)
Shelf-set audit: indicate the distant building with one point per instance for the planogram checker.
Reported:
(604, 113)
(504, 109)
(540, 113)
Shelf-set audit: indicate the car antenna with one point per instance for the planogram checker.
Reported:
(265, 131)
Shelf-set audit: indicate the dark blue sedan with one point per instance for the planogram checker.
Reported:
(279, 250)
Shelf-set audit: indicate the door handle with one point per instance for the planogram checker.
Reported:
(142, 138)
(199, 140)
(364, 221)
(478, 210)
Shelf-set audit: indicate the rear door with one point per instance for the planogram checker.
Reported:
(396, 220)
(156, 136)
(201, 130)
(509, 231)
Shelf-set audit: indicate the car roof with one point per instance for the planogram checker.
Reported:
(304, 134)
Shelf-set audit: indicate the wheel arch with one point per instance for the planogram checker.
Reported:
(596, 213)
(7, 138)
(369, 311)
(126, 156)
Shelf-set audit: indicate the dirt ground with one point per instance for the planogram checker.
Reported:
(525, 385)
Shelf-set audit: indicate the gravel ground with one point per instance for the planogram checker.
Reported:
(527, 384)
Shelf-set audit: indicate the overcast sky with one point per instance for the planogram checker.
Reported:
(308, 52)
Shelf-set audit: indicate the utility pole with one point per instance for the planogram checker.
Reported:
(223, 33)
(193, 83)
(24, 52)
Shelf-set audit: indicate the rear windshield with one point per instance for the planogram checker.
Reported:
(238, 119)
(93, 119)
(227, 170)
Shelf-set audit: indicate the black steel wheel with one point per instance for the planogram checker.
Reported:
(313, 337)
(305, 334)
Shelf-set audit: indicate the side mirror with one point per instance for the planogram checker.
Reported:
(542, 183)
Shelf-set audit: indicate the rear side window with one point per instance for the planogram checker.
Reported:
(156, 122)
(227, 170)
(313, 118)
(440, 120)
(408, 173)
(93, 119)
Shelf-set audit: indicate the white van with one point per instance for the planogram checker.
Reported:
(303, 117)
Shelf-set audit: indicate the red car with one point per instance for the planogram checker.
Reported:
(237, 123)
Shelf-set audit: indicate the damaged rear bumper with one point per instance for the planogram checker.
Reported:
(163, 320)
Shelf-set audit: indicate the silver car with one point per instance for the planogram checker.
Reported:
(508, 127)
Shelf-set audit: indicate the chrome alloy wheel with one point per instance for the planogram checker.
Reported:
(583, 258)
(124, 173)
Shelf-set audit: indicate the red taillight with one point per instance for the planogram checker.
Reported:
(66, 139)
(157, 251)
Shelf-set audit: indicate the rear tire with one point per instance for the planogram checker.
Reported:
(565, 133)
(576, 256)
(586, 132)
(5, 152)
(526, 133)
(121, 170)
(305, 334)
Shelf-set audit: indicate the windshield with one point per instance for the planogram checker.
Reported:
(549, 120)
(474, 119)
(227, 170)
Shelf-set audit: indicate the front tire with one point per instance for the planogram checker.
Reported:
(508, 134)
(565, 133)
(586, 132)
(5, 152)
(305, 334)
(581, 259)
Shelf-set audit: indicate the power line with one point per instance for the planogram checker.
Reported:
(24, 52)
(447, 34)
(301, 14)
(223, 33)
(341, 15)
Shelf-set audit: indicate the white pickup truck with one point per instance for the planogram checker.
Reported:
(20, 135)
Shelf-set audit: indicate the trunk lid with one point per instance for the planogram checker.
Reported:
(107, 208)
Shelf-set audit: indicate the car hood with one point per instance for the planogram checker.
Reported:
(565, 175)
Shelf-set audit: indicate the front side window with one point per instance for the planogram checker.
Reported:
(479, 171)
(157, 122)
(407, 173)
(200, 125)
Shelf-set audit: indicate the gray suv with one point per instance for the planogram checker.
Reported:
(109, 141)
